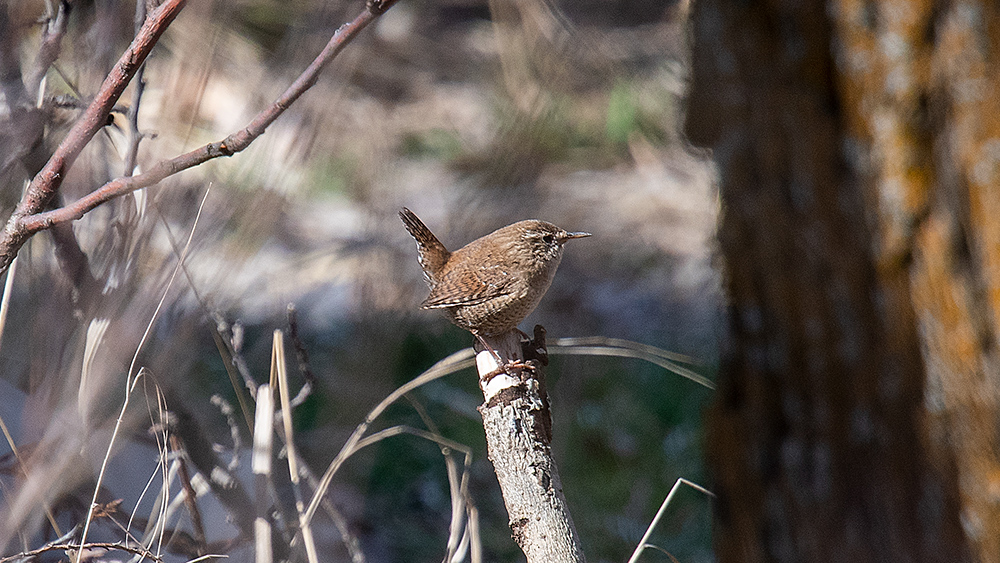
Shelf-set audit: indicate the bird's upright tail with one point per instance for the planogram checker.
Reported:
(432, 253)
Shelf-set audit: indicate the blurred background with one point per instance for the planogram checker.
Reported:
(474, 115)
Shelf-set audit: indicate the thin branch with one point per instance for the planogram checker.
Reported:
(134, 136)
(48, 52)
(190, 495)
(302, 355)
(28, 220)
(25, 555)
(234, 431)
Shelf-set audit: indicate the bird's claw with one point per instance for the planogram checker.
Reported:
(524, 367)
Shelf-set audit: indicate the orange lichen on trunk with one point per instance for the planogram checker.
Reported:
(919, 89)
(858, 413)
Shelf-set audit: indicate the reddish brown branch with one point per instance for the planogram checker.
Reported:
(47, 181)
(24, 224)
(190, 496)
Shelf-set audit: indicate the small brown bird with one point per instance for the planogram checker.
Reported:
(491, 284)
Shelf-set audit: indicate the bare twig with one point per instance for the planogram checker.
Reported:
(234, 431)
(27, 555)
(134, 136)
(302, 356)
(190, 495)
(28, 218)
(48, 51)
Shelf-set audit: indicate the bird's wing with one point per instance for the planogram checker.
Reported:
(469, 286)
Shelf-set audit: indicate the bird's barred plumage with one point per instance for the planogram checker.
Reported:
(491, 284)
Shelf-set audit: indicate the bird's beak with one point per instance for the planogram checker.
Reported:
(568, 236)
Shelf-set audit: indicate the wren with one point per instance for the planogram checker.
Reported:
(491, 284)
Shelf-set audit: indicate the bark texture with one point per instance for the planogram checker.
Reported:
(518, 428)
(858, 145)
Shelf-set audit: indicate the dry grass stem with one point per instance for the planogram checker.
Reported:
(130, 381)
(157, 521)
(458, 486)
(293, 458)
(659, 514)
(74, 548)
(600, 346)
(263, 438)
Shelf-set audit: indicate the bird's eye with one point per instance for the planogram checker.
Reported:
(548, 239)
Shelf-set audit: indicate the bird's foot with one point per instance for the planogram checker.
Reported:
(517, 369)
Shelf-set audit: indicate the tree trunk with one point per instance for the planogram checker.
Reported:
(858, 145)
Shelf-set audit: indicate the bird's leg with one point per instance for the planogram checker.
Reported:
(502, 366)
(486, 346)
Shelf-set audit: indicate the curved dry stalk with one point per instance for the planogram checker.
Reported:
(130, 381)
(461, 501)
(458, 485)
(659, 514)
(466, 358)
(459, 360)
(159, 423)
(600, 346)
(623, 343)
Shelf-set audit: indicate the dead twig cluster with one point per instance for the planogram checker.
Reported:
(30, 216)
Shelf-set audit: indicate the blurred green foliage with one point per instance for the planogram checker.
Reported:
(627, 115)
(435, 143)
(335, 175)
(625, 431)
